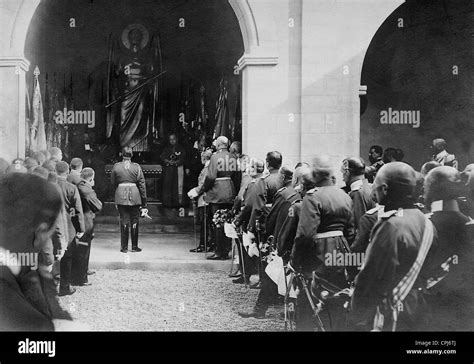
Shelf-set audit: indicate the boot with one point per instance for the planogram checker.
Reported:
(66, 291)
(124, 237)
(135, 247)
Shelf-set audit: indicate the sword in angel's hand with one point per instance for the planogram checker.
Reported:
(147, 82)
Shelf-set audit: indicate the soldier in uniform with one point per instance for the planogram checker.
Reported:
(265, 191)
(74, 176)
(366, 223)
(130, 195)
(401, 233)
(303, 182)
(357, 187)
(325, 227)
(451, 265)
(242, 219)
(376, 160)
(441, 155)
(283, 197)
(220, 185)
(90, 205)
(75, 225)
(280, 213)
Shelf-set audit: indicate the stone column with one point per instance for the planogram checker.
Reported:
(12, 110)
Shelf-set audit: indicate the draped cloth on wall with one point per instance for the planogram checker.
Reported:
(37, 130)
(222, 113)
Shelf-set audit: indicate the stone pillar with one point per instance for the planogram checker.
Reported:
(335, 38)
(270, 78)
(12, 110)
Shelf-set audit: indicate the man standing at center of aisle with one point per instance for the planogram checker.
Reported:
(130, 195)
(220, 185)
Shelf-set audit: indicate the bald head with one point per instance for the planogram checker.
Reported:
(300, 171)
(443, 183)
(395, 184)
(286, 175)
(322, 169)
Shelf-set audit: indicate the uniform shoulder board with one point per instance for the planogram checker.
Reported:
(281, 189)
(295, 202)
(389, 214)
(372, 211)
(311, 191)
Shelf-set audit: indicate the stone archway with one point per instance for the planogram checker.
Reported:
(16, 17)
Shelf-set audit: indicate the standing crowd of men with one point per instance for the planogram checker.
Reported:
(51, 203)
(412, 231)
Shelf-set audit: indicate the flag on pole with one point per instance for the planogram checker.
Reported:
(222, 113)
(37, 131)
(28, 120)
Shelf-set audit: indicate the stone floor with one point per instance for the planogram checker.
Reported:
(163, 288)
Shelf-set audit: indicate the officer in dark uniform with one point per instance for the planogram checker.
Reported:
(357, 187)
(395, 244)
(376, 160)
(90, 206)
(366, 223)
(451, 266)
(130, 195)
(243, 217)
(75, 225)
(285, 200)
(265, 191)
(325, 227)
(285, 238)
(283, 197)
(220, 185)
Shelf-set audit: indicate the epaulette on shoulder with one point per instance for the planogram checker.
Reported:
(372, 211)
(311, 191)
(295, 202)
(389, 214)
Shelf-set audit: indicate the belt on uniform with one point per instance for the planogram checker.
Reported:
(329, 234)
(222, 178)
(127, 184)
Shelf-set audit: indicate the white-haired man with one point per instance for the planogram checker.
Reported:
(220, 185)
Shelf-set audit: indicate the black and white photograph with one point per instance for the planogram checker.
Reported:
(265, 169)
